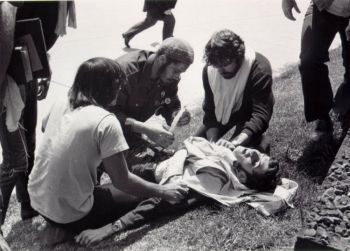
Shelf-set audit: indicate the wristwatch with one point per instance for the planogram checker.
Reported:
(117, 226)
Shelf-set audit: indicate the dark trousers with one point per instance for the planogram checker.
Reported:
(150, 20)
(154, 208)
(109, 205)
(319, 30)
(18, 150)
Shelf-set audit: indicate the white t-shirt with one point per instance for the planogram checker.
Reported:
(75, 141)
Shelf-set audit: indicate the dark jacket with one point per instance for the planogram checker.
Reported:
(142, 96)
(257, 106)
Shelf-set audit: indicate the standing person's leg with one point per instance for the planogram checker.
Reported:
(319, 30)
(29, 124)
(137, 28)
(169, 25)
(14, 160)
(342, 97)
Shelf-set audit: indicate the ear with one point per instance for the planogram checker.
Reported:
(162, 59)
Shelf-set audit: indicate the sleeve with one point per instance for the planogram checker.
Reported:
(209, 119)
(110, 137)
(262, 102)
(167, 110)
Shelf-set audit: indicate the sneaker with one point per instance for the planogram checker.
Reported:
(27, 212)
(323, 129)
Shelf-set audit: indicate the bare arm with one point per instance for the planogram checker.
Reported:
(116, 167)
(125, 181)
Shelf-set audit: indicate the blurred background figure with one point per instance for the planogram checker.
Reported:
(156, 10)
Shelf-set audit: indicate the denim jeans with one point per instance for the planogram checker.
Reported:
(150, 20)
(18, 150)
(318, 32)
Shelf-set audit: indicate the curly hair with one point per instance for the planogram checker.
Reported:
(96, 83)
(224, 46)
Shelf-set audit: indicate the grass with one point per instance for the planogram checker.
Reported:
(218, 228)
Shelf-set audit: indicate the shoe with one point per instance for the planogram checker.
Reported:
(323, 129)
(126, 40)
(27, 212)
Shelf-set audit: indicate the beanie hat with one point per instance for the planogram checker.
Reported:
(177, 49)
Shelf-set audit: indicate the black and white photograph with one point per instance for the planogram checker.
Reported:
(175, 125)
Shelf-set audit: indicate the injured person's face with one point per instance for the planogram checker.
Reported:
(251, 166)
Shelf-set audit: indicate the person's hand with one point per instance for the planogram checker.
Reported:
(288, 6)
(226, 143)
(184, 119)
(90, 236)
(160, 135)
(43, 87)
(175, 192)
(167, 12)
(347, 32)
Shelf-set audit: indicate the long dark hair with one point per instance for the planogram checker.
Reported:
(96, 83)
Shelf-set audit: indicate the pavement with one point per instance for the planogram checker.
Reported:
(261, 24)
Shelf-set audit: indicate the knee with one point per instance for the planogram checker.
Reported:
(169, 20)
(150, 20)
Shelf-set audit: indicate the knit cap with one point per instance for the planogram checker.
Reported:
(177, 49)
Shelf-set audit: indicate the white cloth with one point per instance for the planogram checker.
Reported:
(13, 103)
(228, 93)
(66, 9)
(75, 142)
(207, 169)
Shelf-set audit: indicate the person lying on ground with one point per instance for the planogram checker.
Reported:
(79, 133)
(214, 174)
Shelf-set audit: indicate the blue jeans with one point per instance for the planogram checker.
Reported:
(18, 150)
(319, 31)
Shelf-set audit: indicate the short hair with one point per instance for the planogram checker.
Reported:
(265, 181)
(96, 83)
(224, 46)
(176, 50)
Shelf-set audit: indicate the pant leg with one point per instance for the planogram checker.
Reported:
(14, 160)
(29, 124)
(109, 204)
(141, 26)
(319, 30)
(154, 208)
(169, 25)
(343, 23)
